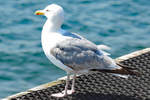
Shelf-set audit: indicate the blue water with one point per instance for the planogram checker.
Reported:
(123, 25)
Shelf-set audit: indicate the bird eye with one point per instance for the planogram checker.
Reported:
(47, 10)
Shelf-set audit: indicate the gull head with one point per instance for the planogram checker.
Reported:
(53, 12)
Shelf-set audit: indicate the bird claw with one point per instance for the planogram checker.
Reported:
(63, 94)
(69, 92)
(59, 94)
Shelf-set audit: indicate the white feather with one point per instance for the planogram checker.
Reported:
(103, 47)
(105, 53)
(122, 76)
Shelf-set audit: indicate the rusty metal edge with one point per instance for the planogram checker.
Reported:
(131, 55)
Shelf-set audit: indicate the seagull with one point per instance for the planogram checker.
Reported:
(74, 53)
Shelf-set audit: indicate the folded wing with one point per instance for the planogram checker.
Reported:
(80, 54)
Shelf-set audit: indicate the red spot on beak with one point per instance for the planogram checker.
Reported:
(37, 13)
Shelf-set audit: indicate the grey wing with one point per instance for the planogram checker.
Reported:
(80, 54)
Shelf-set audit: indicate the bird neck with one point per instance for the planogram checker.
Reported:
(52, 26)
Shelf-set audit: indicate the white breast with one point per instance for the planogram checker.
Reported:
(49, 40)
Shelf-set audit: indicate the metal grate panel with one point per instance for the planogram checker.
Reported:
(100, 86)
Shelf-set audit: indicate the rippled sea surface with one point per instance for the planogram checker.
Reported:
(123, 25)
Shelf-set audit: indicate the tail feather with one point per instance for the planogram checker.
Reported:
(122, 76)
(122, 71)
(124, 66)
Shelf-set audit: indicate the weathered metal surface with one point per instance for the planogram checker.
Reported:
(100, 86)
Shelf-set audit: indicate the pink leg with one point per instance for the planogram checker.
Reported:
(72, 87)
(64, 93)
(73, 83)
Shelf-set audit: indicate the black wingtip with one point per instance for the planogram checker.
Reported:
(131, 71)
(124, 66)
(121, 71)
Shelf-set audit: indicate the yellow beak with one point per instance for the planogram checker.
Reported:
(39, 12)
